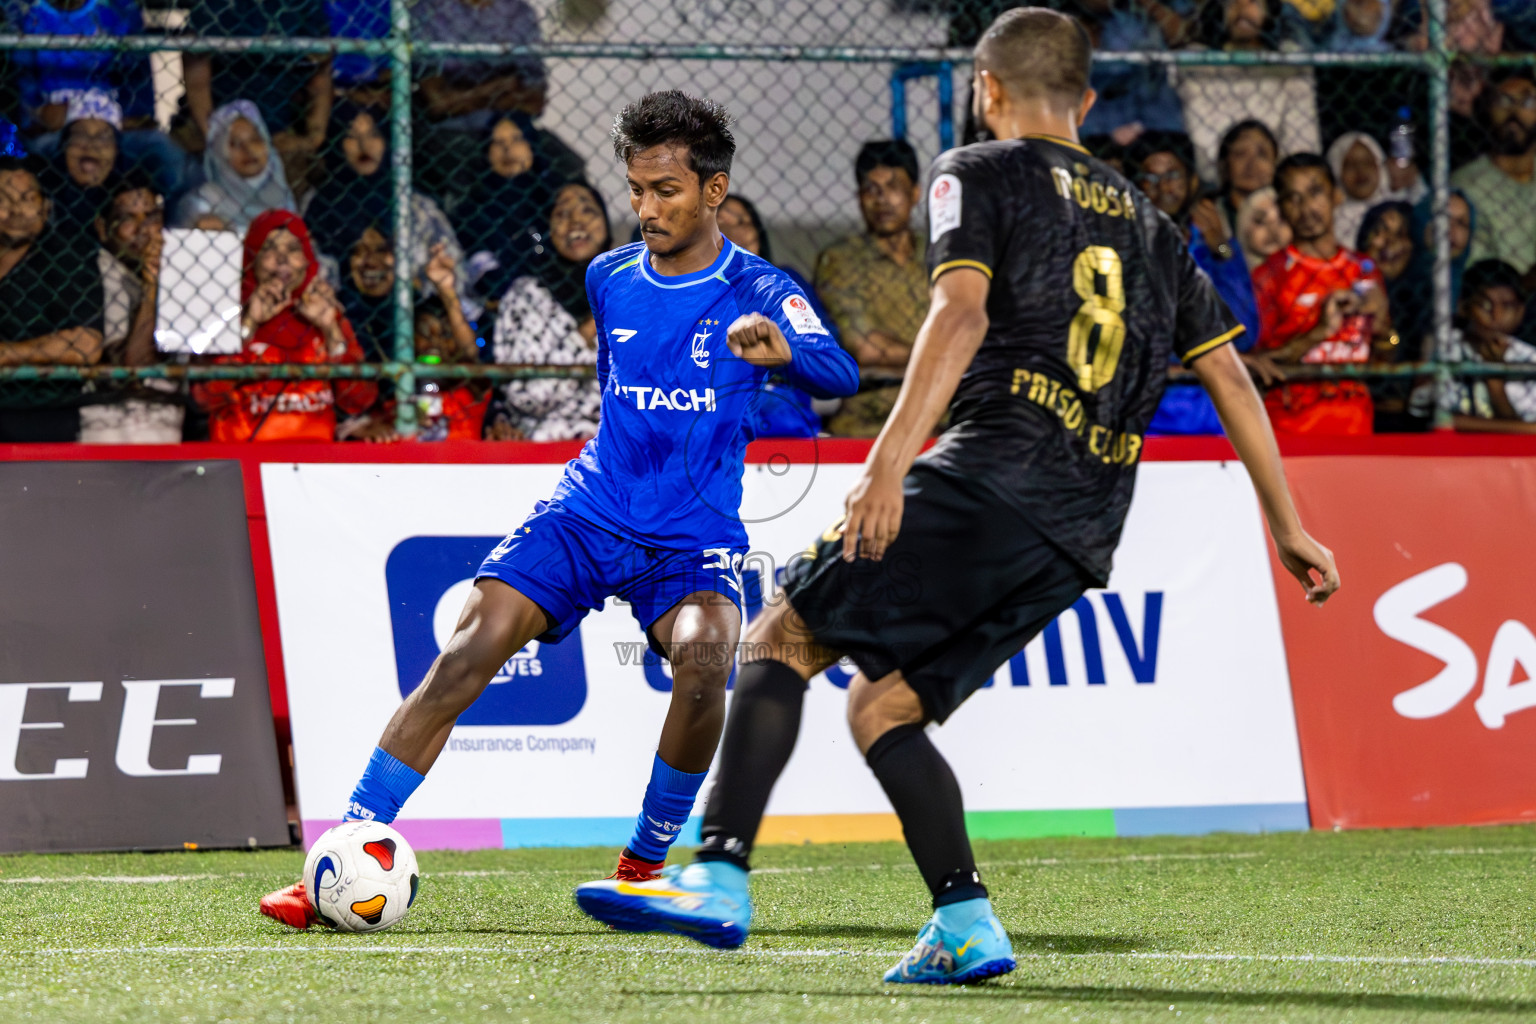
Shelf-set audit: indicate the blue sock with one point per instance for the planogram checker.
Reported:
(386, 785)
(668, 802)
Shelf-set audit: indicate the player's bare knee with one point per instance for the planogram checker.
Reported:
(874, 709)
(701, 668)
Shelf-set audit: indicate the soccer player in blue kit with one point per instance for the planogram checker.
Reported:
(689, 328)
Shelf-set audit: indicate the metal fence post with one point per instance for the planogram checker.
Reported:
(400, 168)
(1440, 183)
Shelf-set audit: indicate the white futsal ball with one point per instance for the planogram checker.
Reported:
(361, 876)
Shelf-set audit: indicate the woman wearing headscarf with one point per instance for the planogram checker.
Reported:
(1261, 231)
(244, 174)
(1360, 167)
(544, 317)
(366, 289)
(501, 221)
(1399, 238)
(1463, 224)
(288, 315)
(782, 410)
(357, 196)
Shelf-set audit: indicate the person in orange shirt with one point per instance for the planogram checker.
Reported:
(1318, 303)
(289, 315)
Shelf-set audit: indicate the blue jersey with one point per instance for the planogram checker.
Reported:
(665, 467)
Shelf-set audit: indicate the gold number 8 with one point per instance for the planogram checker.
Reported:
(1101, 310)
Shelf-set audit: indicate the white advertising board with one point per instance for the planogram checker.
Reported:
(1160, 704)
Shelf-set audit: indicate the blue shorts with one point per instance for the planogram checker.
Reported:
(569, 566)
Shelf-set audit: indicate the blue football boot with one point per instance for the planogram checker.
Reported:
(961, 943)
(706, 901)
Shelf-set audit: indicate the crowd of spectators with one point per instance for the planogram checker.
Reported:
(1300, 189)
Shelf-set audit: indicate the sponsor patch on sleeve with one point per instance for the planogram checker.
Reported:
(943, 206)
(801, 316)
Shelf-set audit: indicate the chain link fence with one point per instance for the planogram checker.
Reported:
(365, 218)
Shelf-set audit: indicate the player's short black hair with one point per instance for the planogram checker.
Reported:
(704, 126)
(1231, 135)
(1488, 274)
(1035, 51)
(1302, 162)
(1148, 143)
(894, 153)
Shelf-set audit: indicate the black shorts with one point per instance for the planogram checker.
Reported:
(966, 585)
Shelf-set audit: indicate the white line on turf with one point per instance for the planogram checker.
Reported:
(116, 879)
(1134, 858)
(381, 950)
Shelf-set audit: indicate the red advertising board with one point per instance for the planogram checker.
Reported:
(1412, 688)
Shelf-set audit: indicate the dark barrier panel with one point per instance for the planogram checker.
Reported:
(133, 694)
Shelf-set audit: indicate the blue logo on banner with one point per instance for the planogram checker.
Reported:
(428, 579)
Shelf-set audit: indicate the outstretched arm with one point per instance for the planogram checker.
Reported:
(1247, 425)
(956, 325)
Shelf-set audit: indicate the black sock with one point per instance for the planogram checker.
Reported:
(926, 797)
(759, 736)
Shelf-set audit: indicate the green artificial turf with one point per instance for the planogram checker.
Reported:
(1288, 927)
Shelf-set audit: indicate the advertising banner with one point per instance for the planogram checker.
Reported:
(1160, 704)
(1416, 688)
(133, 694)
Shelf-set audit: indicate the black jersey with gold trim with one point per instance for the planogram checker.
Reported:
(1092, 294)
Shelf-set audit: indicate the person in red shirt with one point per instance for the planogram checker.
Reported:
(1318, 303)
(289, 315)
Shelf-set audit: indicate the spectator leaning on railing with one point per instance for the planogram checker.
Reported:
(131, 230)
(1318, 303)
(875, 283)
(50, 307)
(289, 315)
(1491, 311)
(445, 410)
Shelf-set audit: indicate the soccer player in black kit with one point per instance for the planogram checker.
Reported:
(1059, 292)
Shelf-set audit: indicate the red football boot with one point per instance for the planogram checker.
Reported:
(633, 869)
(290, 906)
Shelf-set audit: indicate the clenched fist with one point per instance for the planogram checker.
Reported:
(758, 340)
